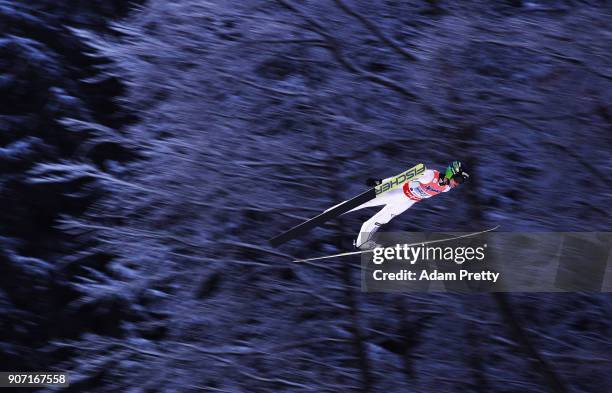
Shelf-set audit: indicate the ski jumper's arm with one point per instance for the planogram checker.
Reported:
(426, 177)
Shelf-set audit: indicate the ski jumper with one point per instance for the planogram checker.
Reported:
(397, 201)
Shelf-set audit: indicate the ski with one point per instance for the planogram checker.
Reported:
(387, 185)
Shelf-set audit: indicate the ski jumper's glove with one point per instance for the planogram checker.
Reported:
(371, 182)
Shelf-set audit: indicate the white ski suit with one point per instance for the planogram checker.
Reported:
(397, 201)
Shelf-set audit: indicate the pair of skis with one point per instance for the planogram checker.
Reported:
(386, 185)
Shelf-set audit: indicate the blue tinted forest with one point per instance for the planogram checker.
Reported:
(148, 150)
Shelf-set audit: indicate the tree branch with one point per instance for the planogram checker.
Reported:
(550, 377)
(375, 30)
(336, 51)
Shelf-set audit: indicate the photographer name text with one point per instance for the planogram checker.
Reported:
(412, 254)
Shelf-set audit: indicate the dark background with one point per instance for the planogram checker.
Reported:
(149, 150)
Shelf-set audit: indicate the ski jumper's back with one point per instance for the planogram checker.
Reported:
(425, 186)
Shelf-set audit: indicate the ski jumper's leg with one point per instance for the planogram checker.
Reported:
(392, 209)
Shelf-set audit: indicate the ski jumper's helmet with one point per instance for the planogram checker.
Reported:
(455, 171)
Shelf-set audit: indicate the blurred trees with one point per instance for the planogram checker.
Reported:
(257, 115)
(249, 117)
(55, 101)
